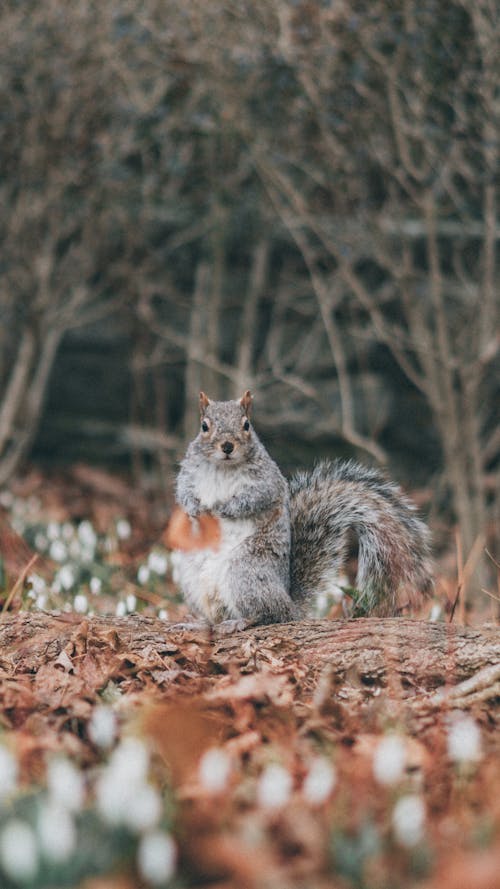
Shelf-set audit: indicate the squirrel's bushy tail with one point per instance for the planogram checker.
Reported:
(340, 501)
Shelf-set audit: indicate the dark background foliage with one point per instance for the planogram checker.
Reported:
(299, 197)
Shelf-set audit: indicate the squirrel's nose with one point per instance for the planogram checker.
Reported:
(227, 447)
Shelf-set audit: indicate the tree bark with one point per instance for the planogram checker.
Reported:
(54, 669)
(368, 651)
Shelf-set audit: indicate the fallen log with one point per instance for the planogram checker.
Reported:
(55, 667)
(368, 651)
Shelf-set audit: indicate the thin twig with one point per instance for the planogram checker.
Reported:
(19, 582)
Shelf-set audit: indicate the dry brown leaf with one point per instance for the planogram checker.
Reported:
(182, 731)
(473, 870)
(186, 533)
(63, 660)
(263, 686)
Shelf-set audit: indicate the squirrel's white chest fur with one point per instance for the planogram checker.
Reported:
(218, 484)
(205, 575)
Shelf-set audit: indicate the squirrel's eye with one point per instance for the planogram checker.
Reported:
(246, 425)
(204, 425)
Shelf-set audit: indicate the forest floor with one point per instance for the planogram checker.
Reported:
(351, 754)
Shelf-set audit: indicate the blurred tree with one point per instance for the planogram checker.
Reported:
(268, 193)
(399, 188)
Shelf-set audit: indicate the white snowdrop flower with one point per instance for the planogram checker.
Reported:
(8, 772)
(319, 781)
(37, 582)
(66, 577)
(336, 591)
(95, 585)
(67, 531)
(18, 851)
(131, 602)
(214, 770)
(156, 857)
(389, 760)
(58, 551)
(56, 832)
(87, 554)
(123, 529)
(321, 602)
(102, 727)
(145, 810)
(157, 562)
(121, 609)
(86, 534)
(122, 781)
(176, 574)
(175, 562)
(464, 740)
(41, 601)
(130, 760)
(274, 787)
(113, 796)
(6, 499)
(110, 545)
(163, 614)
(53, 530)
(436, 612)
(408, 820)
(80, 603)
(75, 549)
(143, 574)
(65, 784)
(41, 542)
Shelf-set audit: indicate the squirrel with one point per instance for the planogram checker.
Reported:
(281, 543)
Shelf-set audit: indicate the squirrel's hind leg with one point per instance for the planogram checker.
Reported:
(259, 595)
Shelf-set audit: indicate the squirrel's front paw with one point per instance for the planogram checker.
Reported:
(192, 507)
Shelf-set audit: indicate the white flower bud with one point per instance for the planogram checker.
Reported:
(214, 770)
(65, 784)
(156, 857)
(464, 740)
(8, 772)
(274, 787)
(56, 831)
(408, 820)
(319, 781)
(389, 760)
(18, 851)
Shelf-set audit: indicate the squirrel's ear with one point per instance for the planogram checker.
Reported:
(204, 402)
(246, 402)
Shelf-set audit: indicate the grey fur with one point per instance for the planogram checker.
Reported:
(249, 576)
(338, 499)
(282, 544)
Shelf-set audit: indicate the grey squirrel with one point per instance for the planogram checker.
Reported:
(284, 542)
